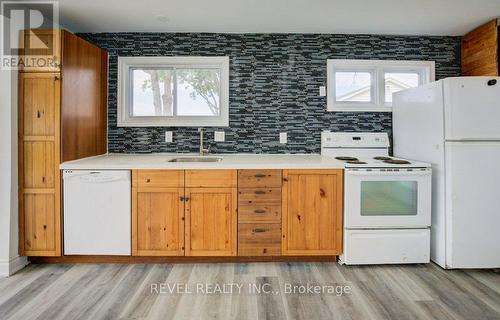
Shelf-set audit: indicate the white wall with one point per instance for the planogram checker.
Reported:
(10, 262)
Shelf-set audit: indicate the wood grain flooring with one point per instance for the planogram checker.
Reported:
(141, 291)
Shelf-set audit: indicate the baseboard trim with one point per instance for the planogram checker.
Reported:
(8, 268)
(130, 259)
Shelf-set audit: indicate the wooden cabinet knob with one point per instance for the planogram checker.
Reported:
(148, 180)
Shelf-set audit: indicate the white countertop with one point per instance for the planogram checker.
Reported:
(230, 161)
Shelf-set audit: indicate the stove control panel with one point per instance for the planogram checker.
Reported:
(354, 139)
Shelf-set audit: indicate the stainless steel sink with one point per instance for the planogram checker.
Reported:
(196, 159)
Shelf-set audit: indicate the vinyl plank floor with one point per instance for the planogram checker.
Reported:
(249, 291)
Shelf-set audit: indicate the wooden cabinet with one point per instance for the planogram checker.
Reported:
(211, 219)
(158, 213)
(62, 116)
(312, 212)
(259, 212)
(480, 49)
(170, 218)
(159, 226)
(39, 154)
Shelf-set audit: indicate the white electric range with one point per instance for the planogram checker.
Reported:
(387, 200)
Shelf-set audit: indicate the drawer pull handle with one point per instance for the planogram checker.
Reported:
(260, 192)
(259, 211)
(38, 114)
(148, 180)
(259, 230)
(260, 175)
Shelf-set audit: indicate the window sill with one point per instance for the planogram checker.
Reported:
(178, 122)
(337, 108)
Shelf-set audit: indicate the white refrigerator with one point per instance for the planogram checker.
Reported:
(454, 124)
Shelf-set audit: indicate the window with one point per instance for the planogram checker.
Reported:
(173, 91)
(368, 85)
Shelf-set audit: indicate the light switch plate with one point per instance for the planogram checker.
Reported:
(169, 136)
(322, 91)
(219, 136)
(283, 137)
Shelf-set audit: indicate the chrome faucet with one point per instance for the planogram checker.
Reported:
(203, 151)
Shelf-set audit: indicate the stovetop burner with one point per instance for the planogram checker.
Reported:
(356, 162)
(382, 158)
(397, 161)
(346, 158)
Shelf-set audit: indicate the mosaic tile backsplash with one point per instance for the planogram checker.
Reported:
(274, 85)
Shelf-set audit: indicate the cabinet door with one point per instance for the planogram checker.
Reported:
(41, 50)
(39, 164)
(38, 98)
(158, 222)
(211, 221)
(312, 212)
(39, 159)
(40, 236)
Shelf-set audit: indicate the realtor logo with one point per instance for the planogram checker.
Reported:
(37, 47)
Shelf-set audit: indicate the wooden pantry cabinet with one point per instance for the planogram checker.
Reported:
(312, 212)
(62, 116)
(184, 212)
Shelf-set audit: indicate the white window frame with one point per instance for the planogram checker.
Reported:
(124, 117)
(377, 69)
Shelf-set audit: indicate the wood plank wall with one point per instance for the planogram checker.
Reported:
(480, 51)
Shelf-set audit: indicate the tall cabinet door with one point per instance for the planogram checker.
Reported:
(39, 158)
(211, 222)
(158, 222)
(312, 212)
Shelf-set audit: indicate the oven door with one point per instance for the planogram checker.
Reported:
(378, 198)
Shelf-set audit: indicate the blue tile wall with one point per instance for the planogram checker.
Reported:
(273, 87)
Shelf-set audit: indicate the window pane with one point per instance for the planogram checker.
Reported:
(389, 198)
(198, 92)
(395, 82)
(353, 86)
(152, 92)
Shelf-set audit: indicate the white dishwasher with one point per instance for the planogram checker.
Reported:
(97, 212)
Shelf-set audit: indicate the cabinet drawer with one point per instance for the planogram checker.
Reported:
(259, 213)
(269, 196)
(259, 178)
(158, 178)
(211, 178)
(259, 239)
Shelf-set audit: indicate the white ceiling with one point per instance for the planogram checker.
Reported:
(409, 17)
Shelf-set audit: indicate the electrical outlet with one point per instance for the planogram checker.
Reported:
(322, 91)
(219, 136)
(283, 137)
(169, 136)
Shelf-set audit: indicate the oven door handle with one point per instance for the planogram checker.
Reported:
(426, 172)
